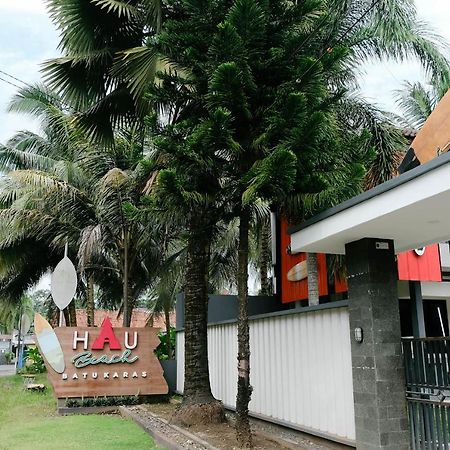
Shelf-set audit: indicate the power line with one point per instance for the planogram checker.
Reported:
(10, 83)
(15, 78)
(316, 29)
(60, 100)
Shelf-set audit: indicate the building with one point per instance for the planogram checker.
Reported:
(141, 317)
(5, 346)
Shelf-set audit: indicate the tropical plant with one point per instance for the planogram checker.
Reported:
(9, 356)
(189, 190)
(417, 101)
(163, 295)
(379, 30)
(12, 311)
(251, 117)
(94, 36)
(167, 344)
(369, 30)
(34, 362)
(74, 191)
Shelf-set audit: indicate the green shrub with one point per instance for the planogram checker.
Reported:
(161, 351)
(35, 362)
(9, 356)
(102, 401)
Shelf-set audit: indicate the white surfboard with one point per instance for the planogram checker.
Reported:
(25, 324)
(298, 272)
(64, 283)
(49, 344)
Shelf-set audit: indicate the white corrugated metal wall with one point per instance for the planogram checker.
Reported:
(301, 369)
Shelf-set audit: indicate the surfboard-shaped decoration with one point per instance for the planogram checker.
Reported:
(64, 282)
(298, 272)
(25, 324)
(49, 344)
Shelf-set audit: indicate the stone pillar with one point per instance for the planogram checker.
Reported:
(377, 363)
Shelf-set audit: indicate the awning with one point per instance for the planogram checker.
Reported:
(412, 209)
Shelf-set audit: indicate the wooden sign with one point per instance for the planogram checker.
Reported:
(106, 361)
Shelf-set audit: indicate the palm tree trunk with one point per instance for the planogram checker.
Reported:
(199, 405)
(264, 259)
(168, 340)
(125, 292)
(90, 299)
(313, 279)
(72, 314)
(66, 314)
(243, 431)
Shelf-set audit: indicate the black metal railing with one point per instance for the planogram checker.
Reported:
(429, 424)
(427, 372)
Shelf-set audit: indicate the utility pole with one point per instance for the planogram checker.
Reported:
(18, 353)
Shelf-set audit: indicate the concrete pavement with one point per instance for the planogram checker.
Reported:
(7, 370)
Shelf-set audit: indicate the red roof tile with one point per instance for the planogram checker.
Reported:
(139, 318)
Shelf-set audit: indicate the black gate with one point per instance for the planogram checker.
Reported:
(427, 369)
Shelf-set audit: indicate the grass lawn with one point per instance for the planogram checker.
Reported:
(28, 421)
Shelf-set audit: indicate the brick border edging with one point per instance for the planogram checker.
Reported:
(161, 438)
(66, 411)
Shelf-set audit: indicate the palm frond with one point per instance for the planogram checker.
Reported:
(12, 159)
(118, 7)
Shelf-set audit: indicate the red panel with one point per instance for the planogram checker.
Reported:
(292, 291)
(340, 285)
(427, 267)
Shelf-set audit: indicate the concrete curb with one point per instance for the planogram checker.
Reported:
(65, 411)
(160, 438)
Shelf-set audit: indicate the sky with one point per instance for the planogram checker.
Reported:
(382, 79)
(27, 38)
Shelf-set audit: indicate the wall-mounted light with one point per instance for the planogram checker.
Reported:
(359, 335)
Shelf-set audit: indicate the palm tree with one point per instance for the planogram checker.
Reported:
(94, 35)
(260, 248)
(380, 30)
(417, 101)
(11, 313)
(77, 191)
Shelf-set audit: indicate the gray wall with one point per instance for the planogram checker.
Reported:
(225, 307)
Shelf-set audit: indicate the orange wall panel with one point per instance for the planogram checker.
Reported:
(292, 291)
(427, 267)
(340, 285)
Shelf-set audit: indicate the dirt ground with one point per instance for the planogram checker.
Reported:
(265, 435)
